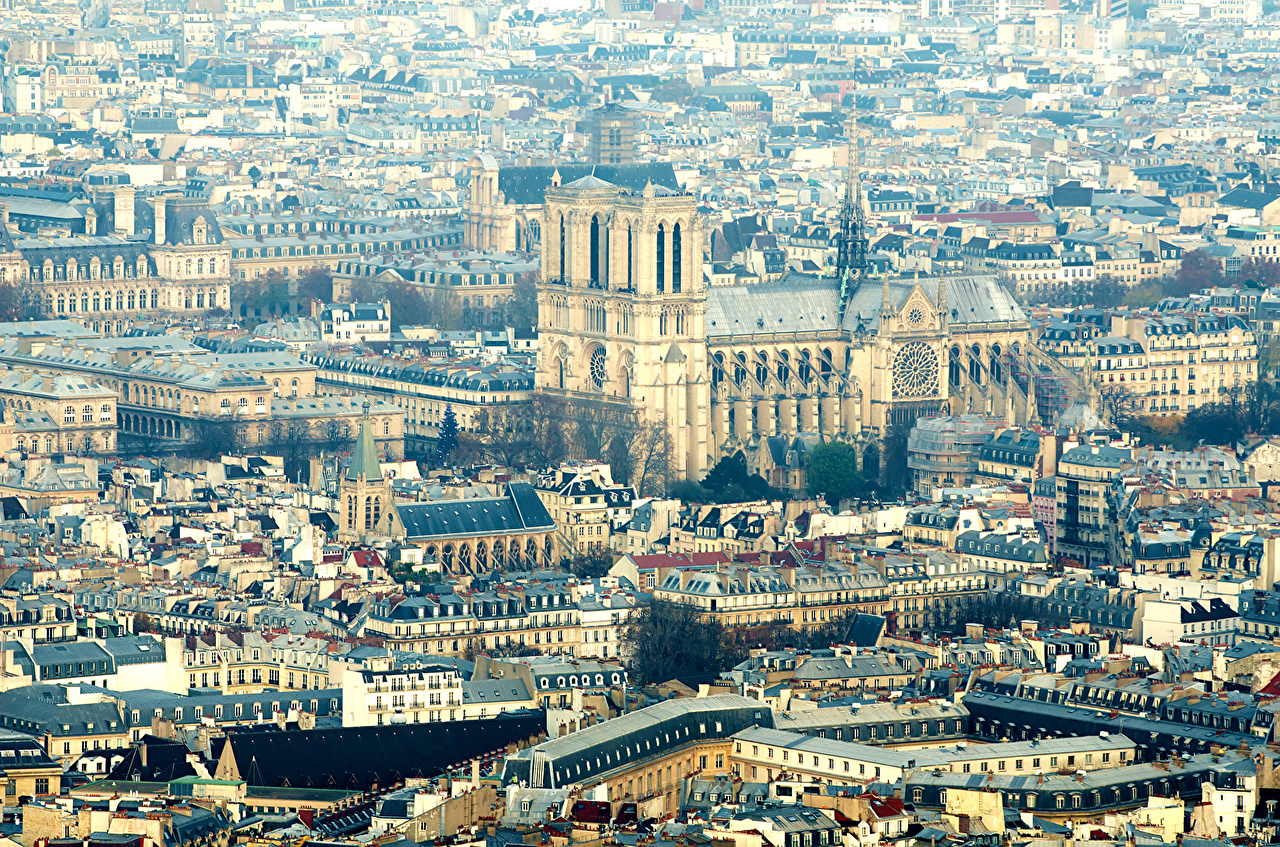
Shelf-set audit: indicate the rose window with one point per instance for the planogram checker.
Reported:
(915, 371)
(597, 368)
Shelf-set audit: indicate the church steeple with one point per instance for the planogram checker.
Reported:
(364, 458)
(851, 247)
(364, 495)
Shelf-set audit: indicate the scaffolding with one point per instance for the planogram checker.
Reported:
(949, 444)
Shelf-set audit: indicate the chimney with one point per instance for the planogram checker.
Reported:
(4, 215)
(160, 204)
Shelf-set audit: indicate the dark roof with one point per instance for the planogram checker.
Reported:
(154, 759)
(518, 510)
(359, 757)
(524, 186)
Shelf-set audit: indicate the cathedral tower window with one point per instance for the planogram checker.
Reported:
(675, 259)
(630, 266)
(662, 259)
(595, 251)
(561, 249)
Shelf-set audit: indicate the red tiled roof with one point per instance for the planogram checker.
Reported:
(679, 560)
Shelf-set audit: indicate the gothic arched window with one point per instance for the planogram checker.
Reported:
(562, 248)
(675, 259)
(595, 251)
(662, 259)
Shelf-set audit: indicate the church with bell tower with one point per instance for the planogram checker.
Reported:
(627, 321)
(622, 307)
(366, 501)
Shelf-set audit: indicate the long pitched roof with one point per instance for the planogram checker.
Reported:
(518, 510)
(359, 757)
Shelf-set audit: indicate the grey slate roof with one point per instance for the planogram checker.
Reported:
(813, 304)
(519, 510)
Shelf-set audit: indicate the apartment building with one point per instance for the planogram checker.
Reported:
(383, 691)
(1192, 359)
(585, 504)
(1000, 553)
(1029, 267)
(1083, 511)
(482, 395)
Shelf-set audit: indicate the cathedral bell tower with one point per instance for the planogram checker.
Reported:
(622, 308)
(366, 499)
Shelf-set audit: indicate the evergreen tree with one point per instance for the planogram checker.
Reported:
(448, 440)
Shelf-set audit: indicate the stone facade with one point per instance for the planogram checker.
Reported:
(627, 319)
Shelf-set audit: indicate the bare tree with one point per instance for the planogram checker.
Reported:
(337, 436)
(213, 438)
(1117, 404)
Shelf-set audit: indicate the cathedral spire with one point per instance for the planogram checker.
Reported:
(364, 458)
(886, 298)
(851, 248)
(942, 302)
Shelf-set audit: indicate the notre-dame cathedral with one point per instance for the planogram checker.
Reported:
(626, 316)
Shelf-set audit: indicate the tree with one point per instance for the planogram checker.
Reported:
(142, 622)
(729, 482)
(1260, 272)
(337, 436)
(688, 491)
(666, 640)
(12, 307)
(210, 439)
(447, 441)
(833, 473)
(1198, 270)
(895, 476)
(521, 312)
(1117, 405)
(592, 564)
(316, 283)
(255, 174)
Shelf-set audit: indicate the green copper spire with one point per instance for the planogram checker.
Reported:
(364, 459)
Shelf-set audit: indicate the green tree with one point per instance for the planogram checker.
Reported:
(833, 472)
(447, 441)
(688, 491)
(255, 174)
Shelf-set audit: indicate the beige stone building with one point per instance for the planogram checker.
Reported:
(77, 415)
(106, 281)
